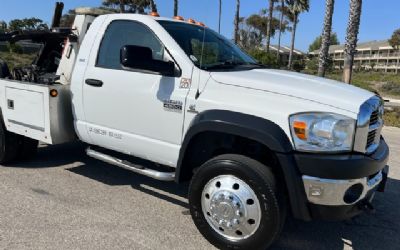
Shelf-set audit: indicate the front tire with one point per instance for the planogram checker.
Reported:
(235, 203)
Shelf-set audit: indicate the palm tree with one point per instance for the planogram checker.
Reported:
(351, 38)
(220, 16)
(295, 7)
(153, 6)
(269, 25)
(326, 38)
(175, 7)
(282, 10)
(237, 20)
(122, 6)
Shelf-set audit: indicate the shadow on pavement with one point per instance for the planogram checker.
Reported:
(50, 156)
(380, 230)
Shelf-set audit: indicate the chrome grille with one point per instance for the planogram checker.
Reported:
(374, 117)
(371, 138)
(369, 126)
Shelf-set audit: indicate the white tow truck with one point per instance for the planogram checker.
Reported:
(256, 143)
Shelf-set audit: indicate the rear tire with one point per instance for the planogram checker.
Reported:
(27, 149)
(235, 203)
(9, 145)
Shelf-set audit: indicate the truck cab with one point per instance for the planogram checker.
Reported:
(252, 141)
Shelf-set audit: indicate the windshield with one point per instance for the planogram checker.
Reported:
(216, 53)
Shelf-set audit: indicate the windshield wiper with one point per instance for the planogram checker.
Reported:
(224, 65)
(233, 65)
(258, 64)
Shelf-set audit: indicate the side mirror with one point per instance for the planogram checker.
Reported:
(141, 58)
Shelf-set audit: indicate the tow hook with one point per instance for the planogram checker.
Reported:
(367, 207)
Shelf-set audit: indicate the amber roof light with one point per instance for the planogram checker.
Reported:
(200, 24)
(179, 18)
(190, 20)
(155, 14)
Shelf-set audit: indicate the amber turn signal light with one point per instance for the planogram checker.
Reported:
(300, 129)
(53, 93)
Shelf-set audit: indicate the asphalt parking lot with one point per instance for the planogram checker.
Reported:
(65, 200)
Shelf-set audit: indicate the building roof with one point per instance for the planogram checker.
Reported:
(371, 45)
(285, 49)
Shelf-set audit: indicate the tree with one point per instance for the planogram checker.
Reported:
(67, 20)
(394, 41)
(236, 22)
(295, 7)
(153, 6)
(326, 38)
(176, 6)
(269, 25)
(220, 16)
(249, 36)
(264, 58)
(281, 30)
(27, 24)
(130, 6)
(3, 26)
(351, 38)
(317, 43)
(253, 30)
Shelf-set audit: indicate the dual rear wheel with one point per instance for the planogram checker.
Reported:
(15, 147)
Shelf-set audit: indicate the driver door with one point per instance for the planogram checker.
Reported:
(131, 111)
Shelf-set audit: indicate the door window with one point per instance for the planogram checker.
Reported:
(121, 33)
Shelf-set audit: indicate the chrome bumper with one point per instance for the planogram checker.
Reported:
(332, 192)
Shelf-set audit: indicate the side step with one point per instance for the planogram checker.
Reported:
(162, 176)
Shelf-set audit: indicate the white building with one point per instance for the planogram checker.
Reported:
(373, 55)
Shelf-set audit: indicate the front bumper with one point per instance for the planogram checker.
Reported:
(334, 187)
(332, 192)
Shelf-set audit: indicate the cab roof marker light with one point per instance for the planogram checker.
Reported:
(179, 18)
(200, 24)
(192, 21)
(154, 14)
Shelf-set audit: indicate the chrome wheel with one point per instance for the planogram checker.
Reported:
(231, 207)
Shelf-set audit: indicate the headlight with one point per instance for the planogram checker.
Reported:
(322, 132)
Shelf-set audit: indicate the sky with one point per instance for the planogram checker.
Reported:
(379, 17)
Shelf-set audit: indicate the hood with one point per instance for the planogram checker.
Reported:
(312, 88)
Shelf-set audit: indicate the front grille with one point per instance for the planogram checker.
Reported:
(374, 117)
(371, 138)
(369, 126)
(375, 125)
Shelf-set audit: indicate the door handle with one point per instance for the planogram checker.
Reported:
(94, 82)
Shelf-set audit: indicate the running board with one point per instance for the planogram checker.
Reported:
(161, 176)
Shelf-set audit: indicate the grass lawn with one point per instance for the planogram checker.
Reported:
(392, 117)
(386, 84)
(15, 60)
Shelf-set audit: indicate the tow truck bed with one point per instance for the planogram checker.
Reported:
(29, 110)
